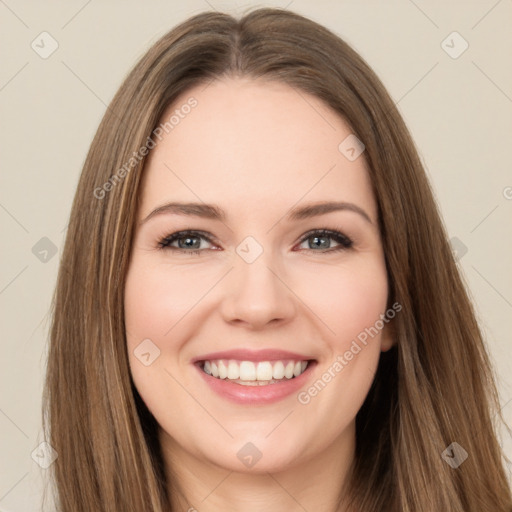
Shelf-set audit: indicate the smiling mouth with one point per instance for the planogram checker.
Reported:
(249, 373)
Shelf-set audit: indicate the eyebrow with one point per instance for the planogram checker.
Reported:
(210, 211)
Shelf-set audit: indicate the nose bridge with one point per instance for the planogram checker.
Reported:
(256, 293)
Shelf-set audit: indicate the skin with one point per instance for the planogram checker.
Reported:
(255, 149)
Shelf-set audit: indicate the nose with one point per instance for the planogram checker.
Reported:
(255, 295)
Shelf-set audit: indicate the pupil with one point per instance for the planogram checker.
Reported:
(187, 242)
(324, 241)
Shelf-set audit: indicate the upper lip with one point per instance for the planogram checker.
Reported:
(252, 355)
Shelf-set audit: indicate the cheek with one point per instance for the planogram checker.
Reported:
(146, 301)
(157, 297)
(159, 303)
(348, 299)
(350, 303)
(154, 302)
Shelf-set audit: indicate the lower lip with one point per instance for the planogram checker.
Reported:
(254, 395)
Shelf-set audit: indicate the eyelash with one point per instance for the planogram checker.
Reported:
(343, 241)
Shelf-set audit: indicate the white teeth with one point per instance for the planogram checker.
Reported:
(288, 371)
(278, 372)
(233, 370)
(264, 371)
(247, 370)
(254, 374)
(223, 371)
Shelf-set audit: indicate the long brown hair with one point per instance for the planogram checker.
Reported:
(433, 388)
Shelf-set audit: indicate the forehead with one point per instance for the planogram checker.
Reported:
(246, 141)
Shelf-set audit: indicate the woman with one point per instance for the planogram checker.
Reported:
(257, 306)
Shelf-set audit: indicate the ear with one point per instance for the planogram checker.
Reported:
(388, 336)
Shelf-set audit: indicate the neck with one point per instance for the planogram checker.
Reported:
(198, 485)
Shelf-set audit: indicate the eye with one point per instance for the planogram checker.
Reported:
(320, 239)
(189, 242)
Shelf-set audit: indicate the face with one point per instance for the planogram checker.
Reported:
(254, 319)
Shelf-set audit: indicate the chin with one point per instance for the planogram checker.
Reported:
(258, 454)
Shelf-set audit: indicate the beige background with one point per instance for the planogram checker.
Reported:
(458, 110)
